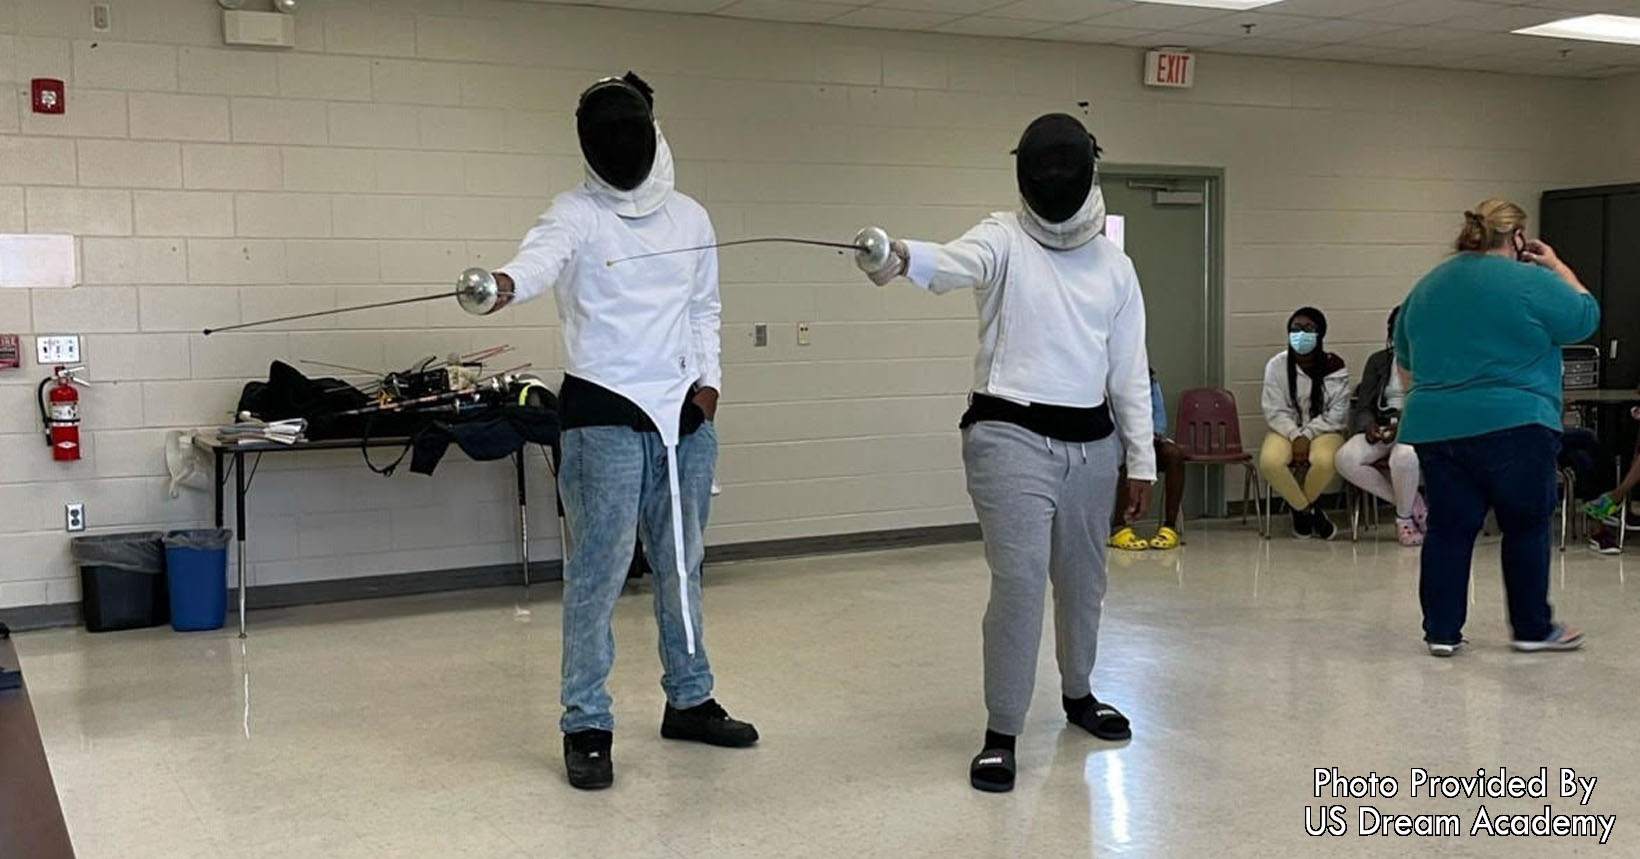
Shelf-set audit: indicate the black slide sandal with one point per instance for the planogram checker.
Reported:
(992, 771)
(1103, 721)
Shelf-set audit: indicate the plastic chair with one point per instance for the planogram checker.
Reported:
(1209, 433)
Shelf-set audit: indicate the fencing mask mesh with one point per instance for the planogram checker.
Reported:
(616, 124)
(1055, 166)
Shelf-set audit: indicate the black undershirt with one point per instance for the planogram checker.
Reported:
(1061, 423)
(588, 404)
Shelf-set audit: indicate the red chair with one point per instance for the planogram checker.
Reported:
(1209, 433)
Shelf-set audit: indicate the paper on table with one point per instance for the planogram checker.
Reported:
(37, 261)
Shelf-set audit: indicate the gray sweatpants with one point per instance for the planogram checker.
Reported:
(1044, 509)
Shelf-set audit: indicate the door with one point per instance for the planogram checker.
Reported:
(1620, 295)
(1166, 229)
(1576, 228)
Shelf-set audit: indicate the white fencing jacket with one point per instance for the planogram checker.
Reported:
(646, 329)
(1057, 327)
(1291, 420)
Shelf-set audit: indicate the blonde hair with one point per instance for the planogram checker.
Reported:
(1489, 225)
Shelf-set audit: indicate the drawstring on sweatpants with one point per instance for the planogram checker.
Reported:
(1084, 448)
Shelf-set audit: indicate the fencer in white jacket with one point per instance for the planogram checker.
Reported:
(1061, 367)
(642, 374)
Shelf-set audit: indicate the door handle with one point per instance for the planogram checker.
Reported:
(1613, 350)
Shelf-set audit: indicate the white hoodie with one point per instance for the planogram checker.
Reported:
(646, 329)
(1291, 420)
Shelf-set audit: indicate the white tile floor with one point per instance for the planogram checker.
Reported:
(426, 726)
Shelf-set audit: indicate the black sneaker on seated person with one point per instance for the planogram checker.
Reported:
(707, 722)
(1303, 526)
(1321, 526)
(587, 759)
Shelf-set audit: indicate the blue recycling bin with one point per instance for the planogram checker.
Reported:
(196, 565)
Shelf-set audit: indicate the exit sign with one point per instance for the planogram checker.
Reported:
(1170, 69)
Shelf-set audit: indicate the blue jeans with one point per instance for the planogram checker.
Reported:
(614, 483)
(1513, 472)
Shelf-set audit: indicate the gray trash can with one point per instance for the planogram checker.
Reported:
(122, 580)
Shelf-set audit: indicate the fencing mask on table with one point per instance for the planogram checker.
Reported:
(1059, 182)
(616, 123)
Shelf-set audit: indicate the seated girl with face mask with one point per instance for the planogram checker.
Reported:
(1306, 402)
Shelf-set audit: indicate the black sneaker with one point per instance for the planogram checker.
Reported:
(1303, 527)
(707, 723)
(587, 759)
(1321, 526)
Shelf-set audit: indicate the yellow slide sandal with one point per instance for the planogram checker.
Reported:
(1128, 541)
(1166, 538)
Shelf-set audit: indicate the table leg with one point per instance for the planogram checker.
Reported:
(523, 515)
(239, 530)
(217, 486)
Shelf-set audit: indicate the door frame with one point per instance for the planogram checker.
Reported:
(1213, 300)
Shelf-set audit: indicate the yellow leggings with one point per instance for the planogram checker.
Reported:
(1275, 461)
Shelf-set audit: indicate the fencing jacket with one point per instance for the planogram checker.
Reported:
(645, 329)
(1056, 327)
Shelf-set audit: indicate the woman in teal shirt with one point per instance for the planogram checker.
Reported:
(1480, 337)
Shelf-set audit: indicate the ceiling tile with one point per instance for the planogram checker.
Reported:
(1346, 52)
(1505, 18)
(1264, 24)
(1059, 11)
(1155, 16)
(981, 25)
(892, 19)
(805, 11)
(1335, 30)
(1177, 39)
(1089, 33)
(957, 7)
(1260, 47)
(1329, 8)
(1426, 12)
(1417, 37)
(696, 6)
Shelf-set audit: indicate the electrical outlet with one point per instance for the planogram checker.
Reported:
(760, 334)
(74, 516)
(102, 18)
(64, 349)
(803, 334)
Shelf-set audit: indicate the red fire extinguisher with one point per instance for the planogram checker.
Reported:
(61, 417)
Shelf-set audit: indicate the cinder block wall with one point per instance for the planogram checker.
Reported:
(404, 140)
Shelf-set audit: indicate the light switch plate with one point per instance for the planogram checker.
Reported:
(58, 349)
(74, 516)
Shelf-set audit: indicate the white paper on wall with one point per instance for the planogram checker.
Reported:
(37, 261)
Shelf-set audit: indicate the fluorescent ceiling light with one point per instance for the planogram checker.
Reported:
(1233, 5)
(1616, 29)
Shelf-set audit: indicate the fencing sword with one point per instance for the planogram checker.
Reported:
(476, 291)
(871, 247)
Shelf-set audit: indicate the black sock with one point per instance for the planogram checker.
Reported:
(994, 740)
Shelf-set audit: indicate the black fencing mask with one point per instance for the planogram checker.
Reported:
(616, 123)
(1055, 166)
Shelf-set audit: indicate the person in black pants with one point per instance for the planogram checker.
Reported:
(1480, 338)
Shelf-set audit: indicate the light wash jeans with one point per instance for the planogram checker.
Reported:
(614, 483)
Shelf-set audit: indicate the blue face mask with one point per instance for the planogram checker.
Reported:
(1303, 342)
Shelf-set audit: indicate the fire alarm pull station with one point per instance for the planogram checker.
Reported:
(11, 352)
(48, 95)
